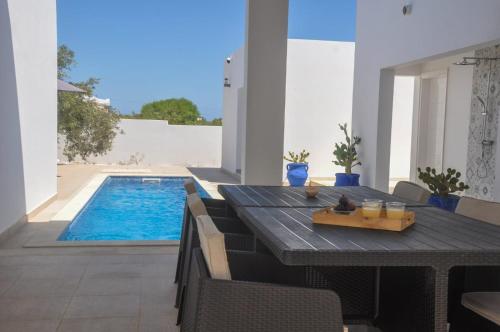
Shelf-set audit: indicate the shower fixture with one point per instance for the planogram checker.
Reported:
(473, 60)
(482, 171)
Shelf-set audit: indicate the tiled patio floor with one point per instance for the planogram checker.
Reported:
(88, 289)
(76, 289)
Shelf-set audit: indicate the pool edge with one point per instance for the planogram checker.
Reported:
(78, 201)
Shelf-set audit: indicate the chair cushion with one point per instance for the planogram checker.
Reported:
(213, 248)
(485, 304)
(196, 205)
(411, 191)
(479, 209)
(190, 186)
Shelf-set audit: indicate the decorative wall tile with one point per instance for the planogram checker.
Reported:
(480, 175)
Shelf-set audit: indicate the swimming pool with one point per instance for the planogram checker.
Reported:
(132, 208)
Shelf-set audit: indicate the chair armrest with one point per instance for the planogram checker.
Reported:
(228, 305)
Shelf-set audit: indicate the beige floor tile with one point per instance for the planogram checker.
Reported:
(157, 305)
(43, 287)
(158, 324)
(57, 271)
(109, 286)
(32, 308)
(116, 259)
(114, 271)
(158, 287)
(6, 284)
(29, 326)
(115, 324)
(103, 306)
(155, 270)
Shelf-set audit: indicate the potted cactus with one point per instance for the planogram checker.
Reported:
(442, 186)
(297, 168)
(346, 156)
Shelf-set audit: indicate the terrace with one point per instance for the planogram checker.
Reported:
(306, 276)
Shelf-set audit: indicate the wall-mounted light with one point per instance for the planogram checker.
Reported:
(227, 84)
(407, 9)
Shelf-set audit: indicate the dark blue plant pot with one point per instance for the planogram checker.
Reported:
(448, 203)
(345, 180)
(297, 174)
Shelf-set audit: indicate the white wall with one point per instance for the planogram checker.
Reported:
(28, 101)
(402, 127)
(318, 98)
(234, 72)
(385, 39)
(155, 142)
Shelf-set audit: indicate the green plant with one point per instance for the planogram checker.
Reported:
(345, 152)
(442, 184)
(297, 158)
(86, 127)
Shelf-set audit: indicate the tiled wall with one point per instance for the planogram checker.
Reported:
(481, 158)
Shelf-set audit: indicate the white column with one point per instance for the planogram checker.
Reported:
(265, 75)
(373, 123)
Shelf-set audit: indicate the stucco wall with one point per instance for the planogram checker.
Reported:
(386, 39)
(28, 106)
(318, 98)
(154, 142)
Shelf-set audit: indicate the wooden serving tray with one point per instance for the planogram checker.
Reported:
(355, 218)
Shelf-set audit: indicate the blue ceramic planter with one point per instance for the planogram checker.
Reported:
(448, 203)
(345, 180)
(297, 174)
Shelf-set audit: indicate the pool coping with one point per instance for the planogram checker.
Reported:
(65, 216)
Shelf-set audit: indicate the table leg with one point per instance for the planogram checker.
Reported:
(441, 300)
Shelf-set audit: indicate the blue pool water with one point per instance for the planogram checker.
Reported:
(130, 208)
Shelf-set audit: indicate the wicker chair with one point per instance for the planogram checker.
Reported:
(237, 237)
(215, 208)
(480, 294)
(411, 191)
(479, 209)
(250, 291)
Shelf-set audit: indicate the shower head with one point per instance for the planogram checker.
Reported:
(468, 61)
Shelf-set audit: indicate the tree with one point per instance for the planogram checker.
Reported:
(176, 111)
(88, 128)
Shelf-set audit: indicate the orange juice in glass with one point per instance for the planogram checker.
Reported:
(395, 210)
(371, 208)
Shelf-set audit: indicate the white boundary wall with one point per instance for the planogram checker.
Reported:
(155, 142)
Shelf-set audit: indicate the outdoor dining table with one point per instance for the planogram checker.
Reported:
(436, 243)
(274, 196)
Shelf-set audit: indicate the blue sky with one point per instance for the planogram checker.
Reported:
(156, 49)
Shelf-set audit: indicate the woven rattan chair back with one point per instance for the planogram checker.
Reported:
(411, 191)
(479, 209)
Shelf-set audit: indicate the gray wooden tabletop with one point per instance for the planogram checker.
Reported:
(437, 238)
(274, 196)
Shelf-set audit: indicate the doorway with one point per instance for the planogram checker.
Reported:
(430, 116)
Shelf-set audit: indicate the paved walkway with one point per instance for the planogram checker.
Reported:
(88, 289)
